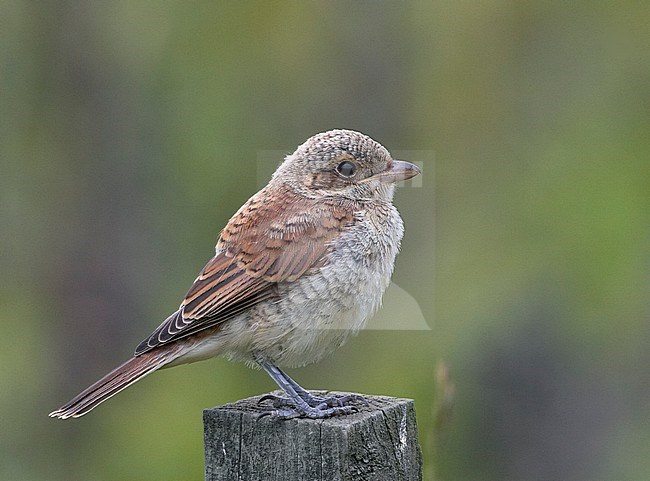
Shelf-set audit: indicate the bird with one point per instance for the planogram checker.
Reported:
(297, 270)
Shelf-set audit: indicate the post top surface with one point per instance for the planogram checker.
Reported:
(253, 406)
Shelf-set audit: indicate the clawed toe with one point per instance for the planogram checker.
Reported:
(313, 407)
(280, 414)
(300, 402)
(308, 412)
(338, 400)
(319, 413)
(276, 401)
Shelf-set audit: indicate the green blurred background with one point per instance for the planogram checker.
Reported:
(130, 131)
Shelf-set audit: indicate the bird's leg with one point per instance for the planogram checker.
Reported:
(330, 401)
(299, 401)
(300, 391)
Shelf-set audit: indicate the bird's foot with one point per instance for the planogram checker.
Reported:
(276, 401)
(339, 400)
(335, 400)
(313, 407)
(291, 411)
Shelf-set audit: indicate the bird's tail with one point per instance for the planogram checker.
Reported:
(118, 379)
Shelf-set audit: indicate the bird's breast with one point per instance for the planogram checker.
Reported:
(318, 312)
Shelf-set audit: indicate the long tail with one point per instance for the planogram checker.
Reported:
(115, 381)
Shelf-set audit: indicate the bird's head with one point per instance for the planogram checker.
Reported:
(343, 163)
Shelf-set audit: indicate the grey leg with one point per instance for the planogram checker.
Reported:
(330, 401)
(299, 401)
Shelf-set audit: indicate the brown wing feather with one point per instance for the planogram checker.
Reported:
(115, 381)
(221, 291)
(276, 236)
(279, 236)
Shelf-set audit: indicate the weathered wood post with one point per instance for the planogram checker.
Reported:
(378, 443)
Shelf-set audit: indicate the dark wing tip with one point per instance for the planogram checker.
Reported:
(159, 336)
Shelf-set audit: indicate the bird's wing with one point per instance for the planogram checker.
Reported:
(272, 238)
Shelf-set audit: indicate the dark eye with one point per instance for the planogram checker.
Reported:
(346, 168)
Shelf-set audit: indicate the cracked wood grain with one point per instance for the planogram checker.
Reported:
(377, 443)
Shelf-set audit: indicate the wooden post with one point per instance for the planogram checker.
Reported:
(378, 443)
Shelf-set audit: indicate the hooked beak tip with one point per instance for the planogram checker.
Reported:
(397, 171)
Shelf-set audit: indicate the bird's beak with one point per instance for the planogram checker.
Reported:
(396, 171)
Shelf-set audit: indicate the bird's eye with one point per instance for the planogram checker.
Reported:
(346, 168)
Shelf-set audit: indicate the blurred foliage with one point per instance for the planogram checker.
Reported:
(130, 132)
